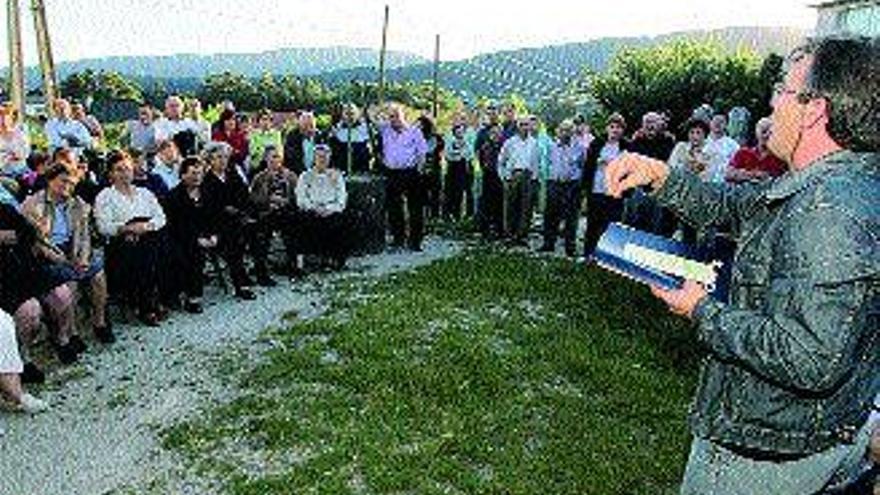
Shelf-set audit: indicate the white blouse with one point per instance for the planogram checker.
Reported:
(113, 209)
(321, 191)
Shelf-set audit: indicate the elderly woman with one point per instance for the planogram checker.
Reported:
(131, 218)
(321, 197)
(230, 206)
(11, 368)
(14, 151)
(24, 285)
(274, 199)
(192, 230)
(64, 223)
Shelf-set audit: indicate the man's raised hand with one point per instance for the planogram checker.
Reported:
(631, 170)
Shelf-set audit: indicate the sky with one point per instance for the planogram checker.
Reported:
(98, 28)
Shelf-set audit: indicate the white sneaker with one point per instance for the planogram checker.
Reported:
(32, 405)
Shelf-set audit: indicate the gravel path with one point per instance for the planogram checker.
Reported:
(100, 436)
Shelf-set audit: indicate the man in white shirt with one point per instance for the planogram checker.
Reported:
(63, 131)
(518, 167)
(721, 146)
(173, 121)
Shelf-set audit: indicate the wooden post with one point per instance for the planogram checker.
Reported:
(44, 48)
(16, 62)
(382, 58)
(436, 107)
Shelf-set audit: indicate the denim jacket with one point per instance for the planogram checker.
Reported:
(793, 361)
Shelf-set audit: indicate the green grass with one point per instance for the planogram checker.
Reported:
(488, 373)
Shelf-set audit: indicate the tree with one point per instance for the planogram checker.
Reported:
(678, 77)
(101, 86)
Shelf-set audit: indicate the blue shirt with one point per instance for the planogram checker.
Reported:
(567, 161)
(60, 234)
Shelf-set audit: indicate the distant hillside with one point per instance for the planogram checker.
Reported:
(537, 72)
(302, 61)
(531, 72)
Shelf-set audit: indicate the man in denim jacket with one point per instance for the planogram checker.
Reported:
(793, 361)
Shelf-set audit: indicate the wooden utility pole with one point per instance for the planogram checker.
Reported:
(44, 47)
(16, 61)
(436, 107)
(382, 58)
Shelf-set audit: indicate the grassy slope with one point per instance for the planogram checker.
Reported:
(488, 373)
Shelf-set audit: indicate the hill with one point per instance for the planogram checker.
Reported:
(301, 61)
(544, 71)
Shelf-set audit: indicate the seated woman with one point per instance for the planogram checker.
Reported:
(131, 218)
(274, 199)
(191, 230)
(64, 224)
(11, 368)
(229, 205)
(24, 285)
(321, 226)
(14, 150)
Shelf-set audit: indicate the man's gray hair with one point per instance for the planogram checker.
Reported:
(845, 73)
(217, 148)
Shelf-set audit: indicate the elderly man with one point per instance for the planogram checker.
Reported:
(793, 365)
(641, 211)
(567, 157)
(404, 153)
(758, 163)
(518, 164)
(173, 121)
(350, 142)
(63, 131)
(299, 145)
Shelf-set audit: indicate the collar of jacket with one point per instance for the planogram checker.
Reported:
(794, 182)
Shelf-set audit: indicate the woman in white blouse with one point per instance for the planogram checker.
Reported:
(131, 218)
(322, 226)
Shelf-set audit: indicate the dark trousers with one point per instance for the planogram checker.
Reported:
(456, 186)
(327, 236)
(469, 200)
(518, 205)
(281, 221)
(432, 187)
(601, 211)
(563, 205)
(492, 204)
(190, 266)
(406, 184)
(133, 269)
(236, 235)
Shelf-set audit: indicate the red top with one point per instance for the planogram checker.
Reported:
(239, 142)
(750, 159)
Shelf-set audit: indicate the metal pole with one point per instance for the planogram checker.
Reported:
(436, 107)
(44, 48)
(16, 61)
(382, 58)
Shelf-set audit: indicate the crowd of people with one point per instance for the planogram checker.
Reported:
(136, 226)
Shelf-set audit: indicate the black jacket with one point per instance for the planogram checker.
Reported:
(293, 150)
(592, 161)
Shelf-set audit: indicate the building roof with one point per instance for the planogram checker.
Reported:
(842, 3)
